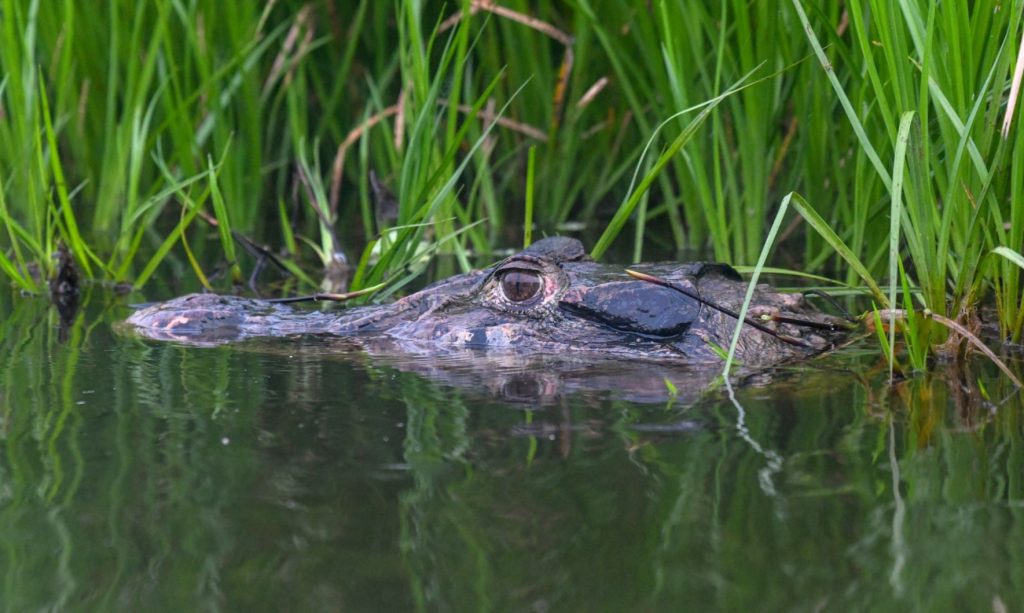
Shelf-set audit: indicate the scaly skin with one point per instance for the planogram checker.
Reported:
(579, 306)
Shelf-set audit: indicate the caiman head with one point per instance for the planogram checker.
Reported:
(550, 298)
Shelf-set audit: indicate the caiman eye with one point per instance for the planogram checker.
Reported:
(520, 285)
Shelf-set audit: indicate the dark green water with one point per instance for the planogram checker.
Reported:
(139, 476)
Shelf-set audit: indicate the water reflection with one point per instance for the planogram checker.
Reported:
(137, 475)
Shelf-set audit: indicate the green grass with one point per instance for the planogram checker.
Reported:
(125, 126)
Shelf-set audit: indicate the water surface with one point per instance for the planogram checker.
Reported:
(294, 476)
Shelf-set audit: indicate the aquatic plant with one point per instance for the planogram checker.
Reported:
(157, 138)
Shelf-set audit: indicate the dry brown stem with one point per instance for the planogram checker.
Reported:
(284, 60)
(957, 329)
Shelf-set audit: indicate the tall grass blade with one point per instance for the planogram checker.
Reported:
(81, 251)
(851, 115)
(220, 210)
(531, 165)
(895, 216)
(762, 259)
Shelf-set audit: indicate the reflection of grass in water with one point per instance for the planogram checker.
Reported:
(435, 445)
(16, 471)
(138, 500)
(959, 457)
(41, 433)
(481, 531)
(488, 527)
(132, 498)
(56, 502)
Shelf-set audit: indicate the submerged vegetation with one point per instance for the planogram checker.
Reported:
(163, 137)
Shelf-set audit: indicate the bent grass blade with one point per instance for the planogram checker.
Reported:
(825, 230)
(615, 226)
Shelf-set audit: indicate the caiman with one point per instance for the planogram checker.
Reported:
(550, 298)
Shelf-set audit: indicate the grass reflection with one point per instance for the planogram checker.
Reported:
(285, 476)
